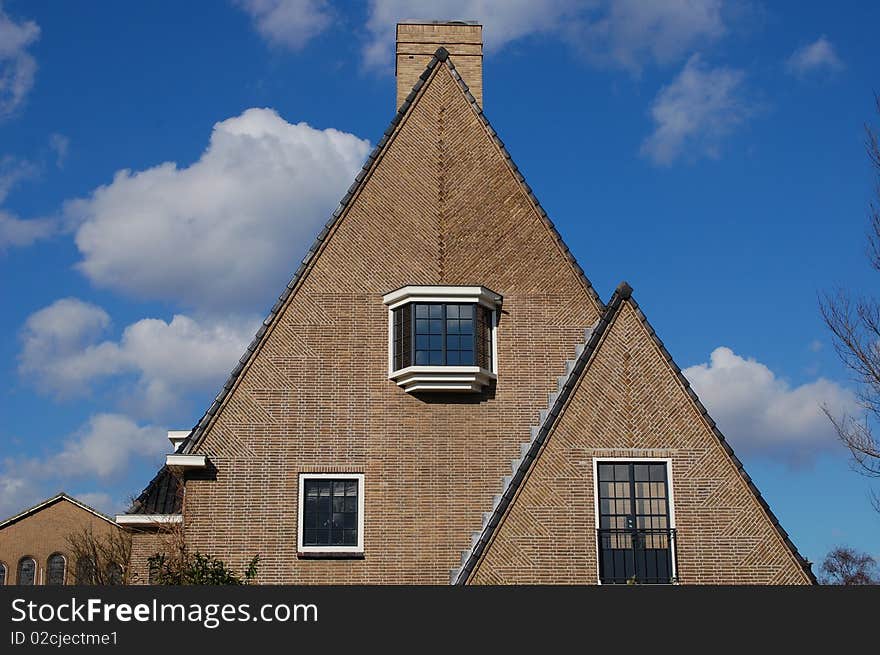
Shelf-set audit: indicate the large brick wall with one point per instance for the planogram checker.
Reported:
(45, 533)
(630, 403)
(441, 206)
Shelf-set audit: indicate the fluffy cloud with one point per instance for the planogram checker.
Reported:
(817, 57)
(628, 33)
(101, 450)
(503, 20)
(618, 33)
(62, 353)
(15, 231)
(760, 412)
(17, 66)
(218, 234)
(288, 23)
(694, 113)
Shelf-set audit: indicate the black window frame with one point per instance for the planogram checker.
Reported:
(636, 538)
(334, 530)
(409, 327)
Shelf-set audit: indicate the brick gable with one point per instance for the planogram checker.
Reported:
(630, 402)
(442, 204)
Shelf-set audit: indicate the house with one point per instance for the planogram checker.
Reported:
(35, 546)
(440, 395)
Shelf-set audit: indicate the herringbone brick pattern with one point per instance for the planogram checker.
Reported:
(441, 206)
(629, 403)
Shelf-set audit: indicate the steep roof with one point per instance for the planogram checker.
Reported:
(51, 501)
(515, 482)
(441, 57)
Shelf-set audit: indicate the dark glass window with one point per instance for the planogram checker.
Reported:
(635, 537)
(402, 337)
(437, 334)
(114, 573)
(55, 569)
(2, 574)
(330, 513)
(27, 571)
(85, 570)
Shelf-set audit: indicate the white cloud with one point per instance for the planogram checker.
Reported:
(760, 412)
(15, 231)
(101, 450)
(218, 234)
(503, 20)
(288, 23)
(816, 57)
(617, 33)
(63, 353)
(694, 113)
(17, 66)
(628, 33)
(60, 145)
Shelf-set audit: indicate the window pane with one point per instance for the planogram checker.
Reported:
(606, 472)
(452, 358)
(2, 575)
(27, 569)
(452, 311)
(435, 311)
(333, 512)
(55, 570)
(421, 311)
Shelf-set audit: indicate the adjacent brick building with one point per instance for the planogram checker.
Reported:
(440, 395)
(34, 548)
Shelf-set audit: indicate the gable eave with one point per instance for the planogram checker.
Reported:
(30, 511)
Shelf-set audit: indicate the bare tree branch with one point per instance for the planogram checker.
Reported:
(855, 327)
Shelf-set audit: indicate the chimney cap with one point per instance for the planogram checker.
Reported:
(416, 21)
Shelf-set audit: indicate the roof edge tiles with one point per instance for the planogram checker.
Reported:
(51, 501)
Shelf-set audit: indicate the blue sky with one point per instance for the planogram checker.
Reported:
(709, 152)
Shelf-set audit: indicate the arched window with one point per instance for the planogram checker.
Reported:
(114, 573)
(27, 571)
(2, 574)
(56, 567)
(85, 570)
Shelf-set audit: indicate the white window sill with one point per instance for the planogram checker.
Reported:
(456, 379)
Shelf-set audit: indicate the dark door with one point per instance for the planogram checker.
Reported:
(635, 539)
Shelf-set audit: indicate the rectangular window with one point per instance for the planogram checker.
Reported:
(331, 513)
(402, 337)
(635, 533)
(442, 334)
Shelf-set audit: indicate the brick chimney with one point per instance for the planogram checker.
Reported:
(417, 40)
